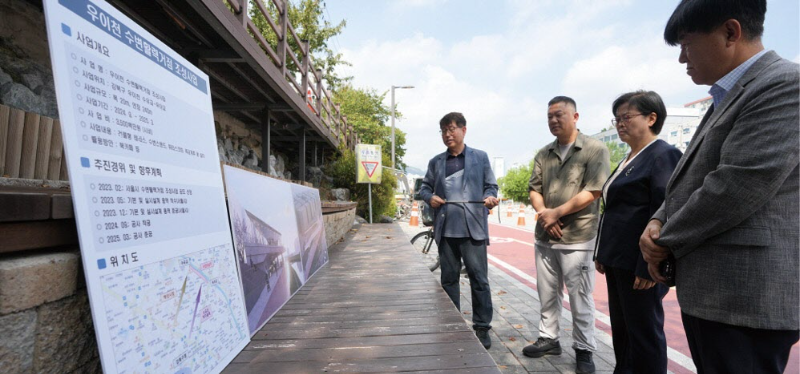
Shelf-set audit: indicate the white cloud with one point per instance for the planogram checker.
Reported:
(491, 115)
(501, 81)
(460, 78)
(797, 59)
(597, 80)
(381, 65)
(481, 58)
(539, 40)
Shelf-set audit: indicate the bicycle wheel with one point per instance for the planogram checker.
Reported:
(425, 245)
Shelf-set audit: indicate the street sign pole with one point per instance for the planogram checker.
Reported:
(368, 168)
(369, 194)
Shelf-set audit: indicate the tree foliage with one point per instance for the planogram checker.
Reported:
(616, 152)
(514, 185)
(370, 119)
(309, 23)
(343, 171)
(366, 113)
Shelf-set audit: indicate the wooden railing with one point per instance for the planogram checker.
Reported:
(318, 99)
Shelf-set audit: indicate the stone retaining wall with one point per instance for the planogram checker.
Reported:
(337, 224)
(45, 318)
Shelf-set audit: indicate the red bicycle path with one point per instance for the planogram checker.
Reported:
(514, 247)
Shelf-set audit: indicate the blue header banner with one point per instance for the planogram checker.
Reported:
(98, 17)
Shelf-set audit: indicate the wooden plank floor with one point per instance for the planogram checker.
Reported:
(375, 308)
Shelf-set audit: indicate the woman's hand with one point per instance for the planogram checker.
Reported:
(643, 284)
(600, 268)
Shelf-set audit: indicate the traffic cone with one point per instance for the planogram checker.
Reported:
(521, 217)
(510, 211)
(414, 221)
(491, 211)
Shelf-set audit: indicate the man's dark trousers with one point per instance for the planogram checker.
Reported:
(473, 252)
(721, 348)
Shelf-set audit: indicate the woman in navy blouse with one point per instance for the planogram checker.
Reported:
(631, 195)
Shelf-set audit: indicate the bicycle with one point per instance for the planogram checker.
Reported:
(423, 243)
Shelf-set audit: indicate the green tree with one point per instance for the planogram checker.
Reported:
(309, 23)
(365, 111)
(616, 152)
(514, 185)
(343, 172)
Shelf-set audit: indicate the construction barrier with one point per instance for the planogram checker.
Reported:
(414, 221)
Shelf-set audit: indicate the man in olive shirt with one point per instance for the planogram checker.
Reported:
(567, 179)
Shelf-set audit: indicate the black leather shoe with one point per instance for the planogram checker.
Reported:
(483, 335)
(542, 347)
(583, 362)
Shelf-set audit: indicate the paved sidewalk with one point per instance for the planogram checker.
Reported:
(516, 320)
(517, 316)
(677, 350)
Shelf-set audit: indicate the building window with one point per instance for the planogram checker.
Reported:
(687, 130)
(614, 136)
(674, 133)
(686, 144)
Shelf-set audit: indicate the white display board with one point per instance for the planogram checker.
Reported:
(147, 189)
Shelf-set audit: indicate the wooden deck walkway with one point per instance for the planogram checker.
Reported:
(374, 308)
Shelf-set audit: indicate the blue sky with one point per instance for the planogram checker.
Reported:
(500, 62)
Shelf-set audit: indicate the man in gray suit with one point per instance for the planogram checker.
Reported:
(730, 217)
(460, 186)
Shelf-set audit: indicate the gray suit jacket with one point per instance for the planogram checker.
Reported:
(479, 183)
(731, 209)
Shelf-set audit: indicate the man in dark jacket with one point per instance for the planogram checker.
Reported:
(460, 186)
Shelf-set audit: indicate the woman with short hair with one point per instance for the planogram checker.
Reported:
(632, 195)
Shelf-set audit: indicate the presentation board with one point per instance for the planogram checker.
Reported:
(279, 238)
(311, 228)
(148, 195)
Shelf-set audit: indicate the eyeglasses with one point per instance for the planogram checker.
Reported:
(449, 130)
(624, 119)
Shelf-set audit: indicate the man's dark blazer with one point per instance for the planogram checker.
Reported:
(633, 197)
(731, 209)
(479, 183)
